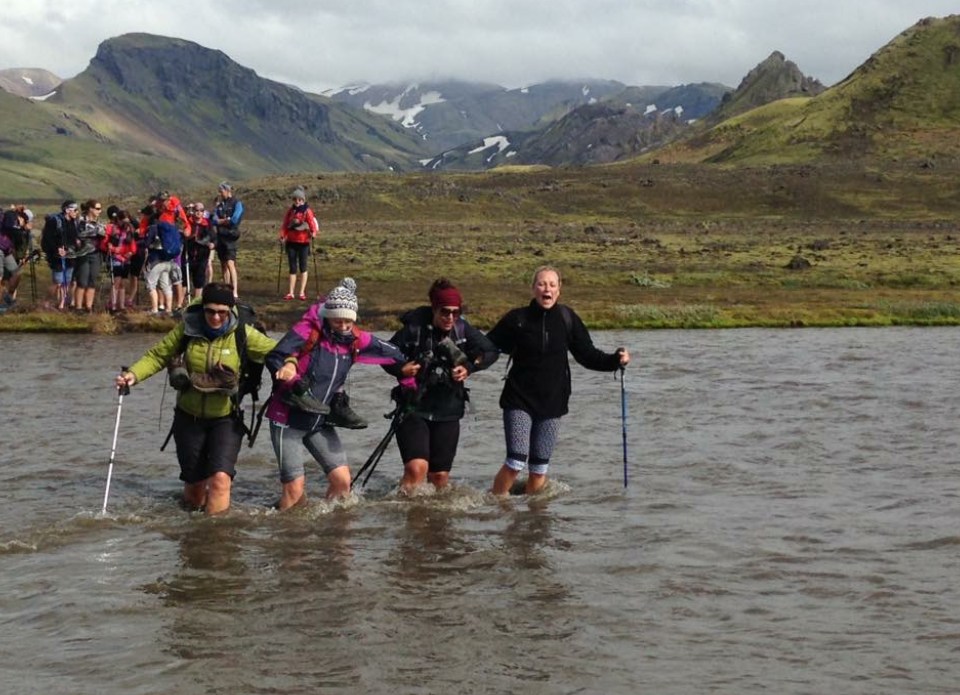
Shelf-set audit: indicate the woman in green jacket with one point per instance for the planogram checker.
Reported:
(207, 426)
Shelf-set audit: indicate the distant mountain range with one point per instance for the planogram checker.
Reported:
(152, 112)
(452, 114)
(478, 126)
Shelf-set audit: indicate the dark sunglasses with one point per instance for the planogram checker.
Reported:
(222, 313)
(449, 312)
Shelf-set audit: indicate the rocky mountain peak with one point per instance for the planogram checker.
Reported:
(773, 78)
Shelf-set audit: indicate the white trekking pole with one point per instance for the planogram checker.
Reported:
(122, 390)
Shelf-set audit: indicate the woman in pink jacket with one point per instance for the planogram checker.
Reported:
(310, 364)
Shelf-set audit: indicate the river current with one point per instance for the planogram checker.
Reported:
(791, 525)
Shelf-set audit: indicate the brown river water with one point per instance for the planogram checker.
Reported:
(791, 525)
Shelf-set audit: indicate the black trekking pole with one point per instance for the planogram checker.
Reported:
(33, 279)
(371, 463)
(316, 273)
(279, 266)
(122, 391)
(623, 421)
(106, 277)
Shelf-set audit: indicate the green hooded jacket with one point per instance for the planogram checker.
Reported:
(201, 355)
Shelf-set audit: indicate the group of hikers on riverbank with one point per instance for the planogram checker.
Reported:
(167, 245)
(211, 353)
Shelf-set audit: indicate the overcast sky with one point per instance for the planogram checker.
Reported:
(322, 44)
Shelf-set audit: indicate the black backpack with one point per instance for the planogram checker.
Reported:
(251, 373)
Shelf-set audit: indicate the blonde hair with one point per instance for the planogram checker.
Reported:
(545, 269)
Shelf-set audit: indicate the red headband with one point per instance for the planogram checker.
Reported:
(449, 296)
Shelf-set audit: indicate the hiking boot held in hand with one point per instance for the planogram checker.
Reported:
(342, 415)
(177, 374)
(220, 379)
(450, 354)
(300, 397)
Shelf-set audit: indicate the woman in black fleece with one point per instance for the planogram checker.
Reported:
(537, 391)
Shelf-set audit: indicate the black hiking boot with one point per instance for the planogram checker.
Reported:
(299, 396)
(342, 415)
(449, 353)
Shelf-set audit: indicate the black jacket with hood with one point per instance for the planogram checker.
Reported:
(439, 397)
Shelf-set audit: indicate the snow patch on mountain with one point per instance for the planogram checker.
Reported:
(406, 115)
(499, 141)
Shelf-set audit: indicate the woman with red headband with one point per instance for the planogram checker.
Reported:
(447, 350)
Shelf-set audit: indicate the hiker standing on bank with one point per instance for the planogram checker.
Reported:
(298, 229)
(59, 244)
(15, 251)
(310, 364)
(86, 272)
(162, 241)
(226, 218)
(207, 425)
(170, 210)
(199, 246)
(121, 248)
(445, 350)
(537, 390)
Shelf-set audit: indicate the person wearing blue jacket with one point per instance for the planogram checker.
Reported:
(226, 218)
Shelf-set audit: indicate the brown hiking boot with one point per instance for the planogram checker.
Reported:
(220, 379)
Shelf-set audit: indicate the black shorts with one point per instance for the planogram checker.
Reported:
(136, 263)
(226, 250)
(428, 439)
(297, 256)
(206, 445)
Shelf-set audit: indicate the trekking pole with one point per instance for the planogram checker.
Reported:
(279, 266)
(186, 267)
(64, 285)
(316, 273)
(623, 422)
(122, 391)
(33, 279)
(106, 278)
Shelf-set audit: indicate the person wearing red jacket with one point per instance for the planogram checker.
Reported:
(200, 246)
(297, 231)
(121, 247)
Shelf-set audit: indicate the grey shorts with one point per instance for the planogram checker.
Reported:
(86, 270)
(159, 275)
(291, 447)
(9, 264)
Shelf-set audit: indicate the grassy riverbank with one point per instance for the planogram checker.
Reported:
(640, 246)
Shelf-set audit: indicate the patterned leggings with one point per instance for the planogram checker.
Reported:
(529, 438)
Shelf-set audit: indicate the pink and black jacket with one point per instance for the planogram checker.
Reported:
(325, 366)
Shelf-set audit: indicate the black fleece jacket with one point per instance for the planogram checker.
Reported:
(537, 341)
(440, 398)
